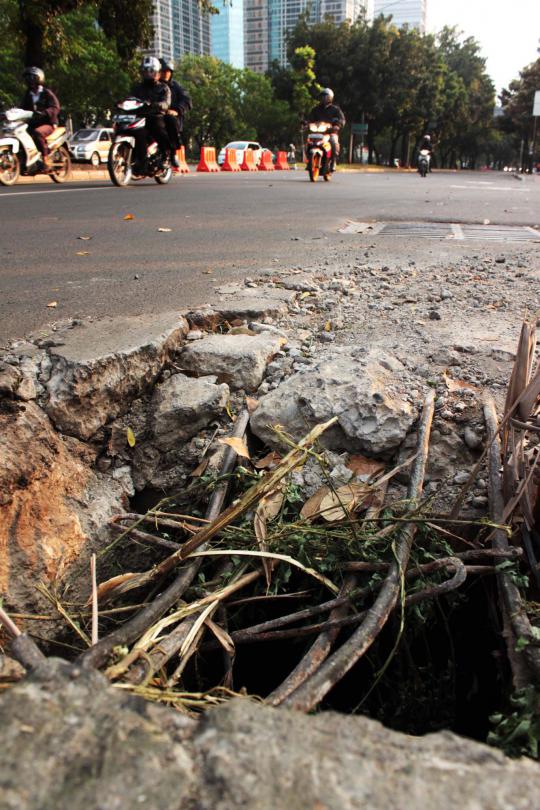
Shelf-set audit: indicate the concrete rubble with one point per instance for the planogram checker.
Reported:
(107, 749)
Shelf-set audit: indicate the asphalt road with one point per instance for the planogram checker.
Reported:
(222, 228)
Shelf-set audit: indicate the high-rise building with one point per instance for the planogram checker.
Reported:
(404, 12)
(227, 32)
(267, 22)
(179, 28)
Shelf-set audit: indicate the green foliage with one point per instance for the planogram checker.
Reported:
(404, 83)
(517, 731)
(231, 104)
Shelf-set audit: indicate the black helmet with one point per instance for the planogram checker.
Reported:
(166, 64)
(150, 67)
(34, 73)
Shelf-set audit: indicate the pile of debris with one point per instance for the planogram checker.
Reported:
(277, 476)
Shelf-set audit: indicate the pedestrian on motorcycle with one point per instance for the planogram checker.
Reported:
(328, 112)
(45, 107)
(180, 104)
(157, 96)
(427, 144)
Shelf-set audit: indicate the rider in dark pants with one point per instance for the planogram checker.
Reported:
(158, 98)
(180, 104)
(328, 112)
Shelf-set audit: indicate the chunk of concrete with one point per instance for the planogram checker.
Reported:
(238, 360)
(104, 365)
(367, 392)
(53, 506)
(181, 406)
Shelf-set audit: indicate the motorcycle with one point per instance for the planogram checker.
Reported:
(424, 159)
(319, 151)
(19, 154)
(129, 119)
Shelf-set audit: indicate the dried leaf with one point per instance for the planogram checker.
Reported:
(241, 330)
(82, 253)
(458, 385)
(328, 326)
(222, 636)
(238, 446)
(339, 503)
(200, 468)
(304, 295)
(107, 588)
(252, 404)
(270, 505)
(207, 272)
(52, 304)
(128, 217)
(312, 506)
(84, 238)
(364, 468)
(164, 230)
(269, 461)
(130, 437)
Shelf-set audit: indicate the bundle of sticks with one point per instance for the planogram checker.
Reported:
(192, 600)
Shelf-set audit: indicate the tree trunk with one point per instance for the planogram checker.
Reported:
(405, 145)
(34, 53)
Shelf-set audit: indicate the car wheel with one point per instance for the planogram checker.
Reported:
(95, 159)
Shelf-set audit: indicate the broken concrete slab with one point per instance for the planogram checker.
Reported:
(116, 751)
(238, 360)
(366, 391)
(181, 406)
(53, 504)
(104, 365)
(251, 308)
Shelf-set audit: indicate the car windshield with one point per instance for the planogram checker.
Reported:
(237, 145)
(85, 135)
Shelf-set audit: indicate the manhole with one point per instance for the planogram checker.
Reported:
(445, 230)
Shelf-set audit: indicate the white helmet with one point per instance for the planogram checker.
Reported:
(326, 92)
(150, 67)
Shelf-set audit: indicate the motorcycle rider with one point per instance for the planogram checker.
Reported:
(158, 98)
(180, 104)
(427, 144)
(45, 107)
(328, 112)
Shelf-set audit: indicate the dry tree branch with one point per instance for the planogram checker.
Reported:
(307, 696)
(132, 629)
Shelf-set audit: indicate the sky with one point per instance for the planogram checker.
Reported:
(508, 32)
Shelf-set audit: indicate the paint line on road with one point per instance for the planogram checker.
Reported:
(55, 191)
(490, 188)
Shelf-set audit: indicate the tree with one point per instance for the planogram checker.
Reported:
(517, 104)
(126, 22)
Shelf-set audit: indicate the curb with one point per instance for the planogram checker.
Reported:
(77, 174)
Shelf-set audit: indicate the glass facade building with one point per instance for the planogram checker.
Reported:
(266, 23)
(227, 32)
(179, 28)
(404, 12)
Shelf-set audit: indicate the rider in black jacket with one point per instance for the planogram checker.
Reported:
(45, 106)
(158, 97)
(180, 104)
(327, 112)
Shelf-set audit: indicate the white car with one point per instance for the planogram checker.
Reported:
(241, 147)
(91, 145)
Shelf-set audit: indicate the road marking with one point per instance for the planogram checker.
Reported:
(492, 188)
(457, 232)
(54, 191)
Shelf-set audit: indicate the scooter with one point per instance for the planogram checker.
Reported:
(319, 151)
(130, 119)
(424, 159)
(19, 154)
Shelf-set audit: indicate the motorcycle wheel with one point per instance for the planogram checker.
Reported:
(314, 167)
(119, 163)
(61, 163)
(10, 168)
(164, 176)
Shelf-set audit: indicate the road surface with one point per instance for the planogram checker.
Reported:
(219, 228)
